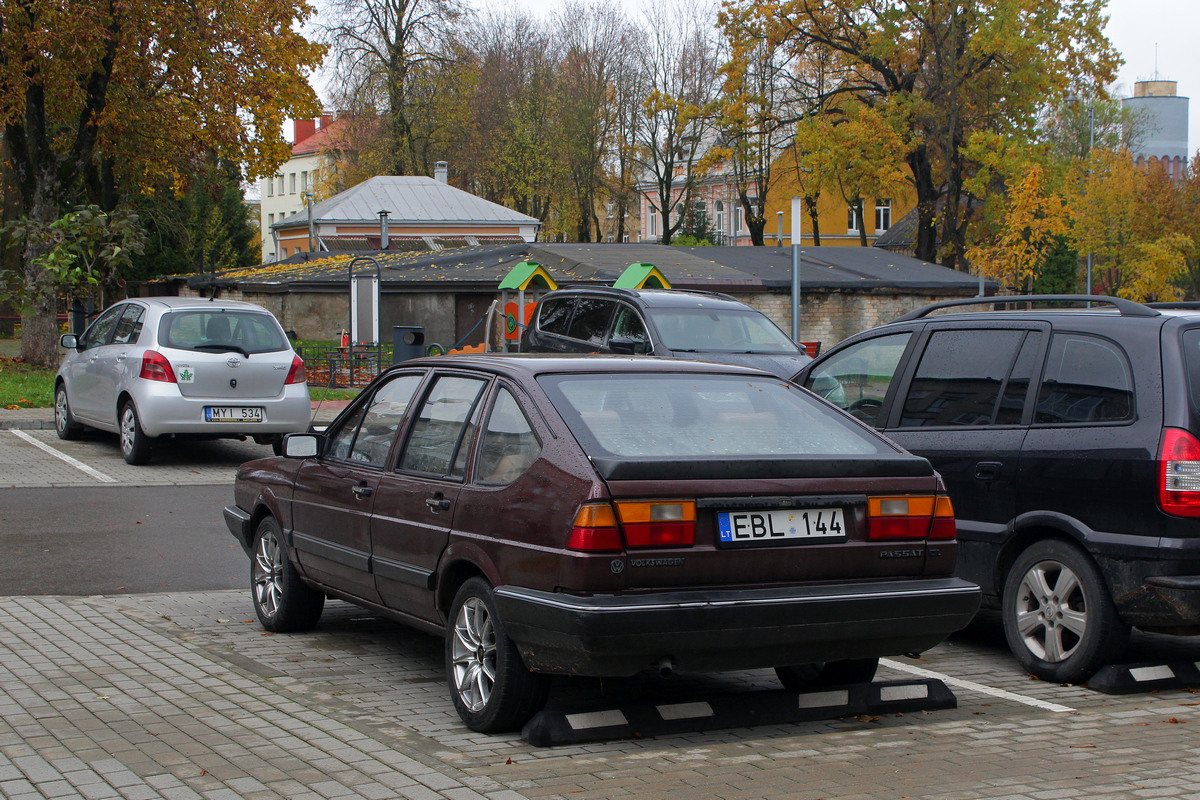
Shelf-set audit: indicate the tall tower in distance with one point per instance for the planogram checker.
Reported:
(1164, 116)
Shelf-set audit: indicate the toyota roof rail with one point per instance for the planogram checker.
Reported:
(1127, 308)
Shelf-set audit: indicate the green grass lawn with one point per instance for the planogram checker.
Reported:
(22, 386)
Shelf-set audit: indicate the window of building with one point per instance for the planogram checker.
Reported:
(737, 220)
(851, 219)
(270, 187)
(883, 214)
(304, 181)
(610, 208)
(719, 210)
(270, 219)
(280, 177)
(292, 183)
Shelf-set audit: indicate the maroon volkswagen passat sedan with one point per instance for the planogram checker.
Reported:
(602, 516)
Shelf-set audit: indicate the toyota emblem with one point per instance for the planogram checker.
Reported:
(234, 362)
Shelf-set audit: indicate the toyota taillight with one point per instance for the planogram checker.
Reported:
(156, 367)
(910, 517)
(296, 374)
(1179, 473)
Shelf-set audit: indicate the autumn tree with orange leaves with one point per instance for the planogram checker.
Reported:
(953, 69)
(101, 98)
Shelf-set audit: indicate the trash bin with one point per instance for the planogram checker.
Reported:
(408, 341)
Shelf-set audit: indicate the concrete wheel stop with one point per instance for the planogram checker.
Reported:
(554, 727)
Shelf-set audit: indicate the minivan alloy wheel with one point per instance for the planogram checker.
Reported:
(1051, 611)
(1059, 619)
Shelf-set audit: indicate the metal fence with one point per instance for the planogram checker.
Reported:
(336, 368)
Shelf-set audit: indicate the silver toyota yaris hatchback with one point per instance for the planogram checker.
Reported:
(166, 366)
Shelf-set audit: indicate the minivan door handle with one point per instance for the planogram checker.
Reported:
(987, 470)
(362, 491)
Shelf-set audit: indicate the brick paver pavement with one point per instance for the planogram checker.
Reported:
(184, 696)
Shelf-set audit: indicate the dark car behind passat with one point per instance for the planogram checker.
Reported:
(702, 326)
(602, 516)
(1069, 440)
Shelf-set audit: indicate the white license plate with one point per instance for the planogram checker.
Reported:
(780, 527)
(233, 414)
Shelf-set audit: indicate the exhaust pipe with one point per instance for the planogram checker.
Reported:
(666, 667)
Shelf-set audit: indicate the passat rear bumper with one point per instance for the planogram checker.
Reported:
(728, 629)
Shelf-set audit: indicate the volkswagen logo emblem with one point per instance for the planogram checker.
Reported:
(616, 566)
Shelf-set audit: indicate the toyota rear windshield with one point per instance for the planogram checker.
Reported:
(203, 330)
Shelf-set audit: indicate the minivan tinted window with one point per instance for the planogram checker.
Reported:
(960, 376)
(1087, 379)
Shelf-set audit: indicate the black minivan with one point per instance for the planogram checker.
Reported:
(1068, 435)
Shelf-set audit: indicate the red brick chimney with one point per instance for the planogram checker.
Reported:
(304, 128)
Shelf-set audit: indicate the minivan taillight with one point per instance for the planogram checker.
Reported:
(910, 517)
(296, 374)
(156, 367)
(1179, 473)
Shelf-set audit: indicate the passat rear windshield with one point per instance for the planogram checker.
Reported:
(212, 331)
(680, 415)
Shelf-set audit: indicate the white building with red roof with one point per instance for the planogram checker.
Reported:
(284, 194)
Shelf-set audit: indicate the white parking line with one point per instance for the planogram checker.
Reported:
(971, 686)
(95, 473)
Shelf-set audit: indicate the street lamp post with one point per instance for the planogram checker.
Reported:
(796, 212)
(1091, 144)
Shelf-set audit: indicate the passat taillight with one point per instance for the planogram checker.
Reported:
(661, 523)
(910, 517)
(658, 523)
(1179, 473)
(296, 374)
(156, 367)
(595, 530)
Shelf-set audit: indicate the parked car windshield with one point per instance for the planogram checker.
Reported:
(712, 330)
(206, 330)
(690, 415)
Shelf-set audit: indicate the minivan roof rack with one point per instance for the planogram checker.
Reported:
(1127, 308)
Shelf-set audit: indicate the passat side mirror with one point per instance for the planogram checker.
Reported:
(302, 445)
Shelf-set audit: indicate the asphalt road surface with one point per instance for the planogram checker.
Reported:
(117, 540)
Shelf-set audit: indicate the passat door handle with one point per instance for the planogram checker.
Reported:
(437, 503)
(362, 491)
(987, 470)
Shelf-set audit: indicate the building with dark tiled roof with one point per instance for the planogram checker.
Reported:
(448, 291)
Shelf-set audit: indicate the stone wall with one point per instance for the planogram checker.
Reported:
(829, 317)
